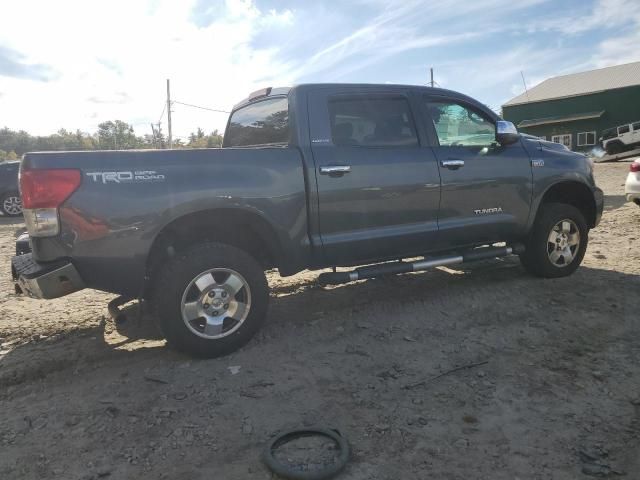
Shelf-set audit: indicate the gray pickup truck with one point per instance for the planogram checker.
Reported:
(310, 177)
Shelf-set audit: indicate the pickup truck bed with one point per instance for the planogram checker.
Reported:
(110, 223)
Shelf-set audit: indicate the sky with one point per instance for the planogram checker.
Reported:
(75, 63)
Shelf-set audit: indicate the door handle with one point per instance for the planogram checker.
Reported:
(452, 164)
(335, 170)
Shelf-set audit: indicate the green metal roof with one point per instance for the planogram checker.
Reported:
(562, 119)
(582, 83)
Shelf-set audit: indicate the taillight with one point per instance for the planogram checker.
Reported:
(43, 191)
(634, 167)
(47, 188)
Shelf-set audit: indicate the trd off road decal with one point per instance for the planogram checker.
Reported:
(139, 176)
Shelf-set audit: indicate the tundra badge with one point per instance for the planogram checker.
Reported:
(487, 211)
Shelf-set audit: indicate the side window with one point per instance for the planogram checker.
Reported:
(261, 123)
(623, 129)
(372, 122)
(636, 127)
(460, 126)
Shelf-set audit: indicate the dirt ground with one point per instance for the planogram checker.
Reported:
(558, 396)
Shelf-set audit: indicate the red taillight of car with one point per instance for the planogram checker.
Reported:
(47, 188)
(634, 167)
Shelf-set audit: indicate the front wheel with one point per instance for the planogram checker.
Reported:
(557, 244)
(211, 299)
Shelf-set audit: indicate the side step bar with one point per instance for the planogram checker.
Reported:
(335, 278)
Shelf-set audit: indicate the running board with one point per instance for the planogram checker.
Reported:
(334, 278)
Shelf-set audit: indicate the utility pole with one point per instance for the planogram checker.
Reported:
(169, 114)
(431, 76)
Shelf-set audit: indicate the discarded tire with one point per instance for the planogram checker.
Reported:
(285, 471)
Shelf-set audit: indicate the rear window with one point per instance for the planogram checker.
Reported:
(372, 122)
(260, 123)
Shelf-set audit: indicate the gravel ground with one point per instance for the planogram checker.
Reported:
(558, 396)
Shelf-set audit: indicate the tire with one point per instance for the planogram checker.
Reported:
(11, 204)
(557, 222)
(199, 296)
(614, 148)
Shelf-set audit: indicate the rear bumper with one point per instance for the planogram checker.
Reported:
(44, 280)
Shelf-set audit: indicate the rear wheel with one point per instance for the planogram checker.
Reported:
(557, 244)
(211, 300)
(11, 204)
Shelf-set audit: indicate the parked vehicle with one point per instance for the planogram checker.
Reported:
(10, 203)
(621, 138)
(310, 177)
(632, 185)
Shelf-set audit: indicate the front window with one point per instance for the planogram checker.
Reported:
(460, 126)
(261, 123)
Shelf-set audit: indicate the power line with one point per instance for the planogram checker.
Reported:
(202, 108)
(161, 115)
(169, 114)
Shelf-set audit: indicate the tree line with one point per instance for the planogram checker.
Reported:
(111, 135)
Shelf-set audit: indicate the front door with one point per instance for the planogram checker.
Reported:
(378, 190)
(486, 187)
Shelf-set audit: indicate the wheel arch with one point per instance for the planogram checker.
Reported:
(574, 193)
(245, 229)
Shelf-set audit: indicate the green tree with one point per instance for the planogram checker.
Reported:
(201, 140)
(117, 135)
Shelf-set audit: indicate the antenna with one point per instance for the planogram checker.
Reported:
(525, 86)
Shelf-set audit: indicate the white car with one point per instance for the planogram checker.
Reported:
(632, 187)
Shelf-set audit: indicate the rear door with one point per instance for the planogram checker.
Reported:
(378, 190)
(486, 187)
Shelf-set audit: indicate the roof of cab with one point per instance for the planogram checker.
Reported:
(281, 91)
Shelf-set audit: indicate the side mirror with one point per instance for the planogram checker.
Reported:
(506, 133)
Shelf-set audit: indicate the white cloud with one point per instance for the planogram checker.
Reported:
(112, 59)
